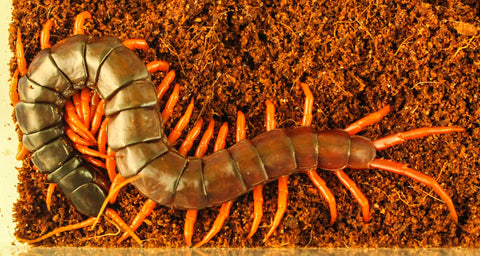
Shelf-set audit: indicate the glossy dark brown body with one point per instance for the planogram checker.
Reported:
(135, 132)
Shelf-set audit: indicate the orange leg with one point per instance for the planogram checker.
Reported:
(22, 151)
(97, 117)
(146, 210)
(172, 101)
(187, 143)
(138, 44)
(21, 61)
(366, 121)
(50, 190)
(307, 109)
(102, 137)
(85, 103)
(257, 209)
(77, 138)
(78, 105)
(181, 124)
(326, 193)
(73, 117)
(203, 145)
(190, 219)
(93, 105)
(403, 169)
(282, 181)
(401, 137)
(191, 216)
(158, 65)
(116, 218)
(225, 208)
(165, 84)
(94, 161)
(110, 164)
(77, 130)
(359, 196)
(88, 151)
(45, 35)
(12, 92)
(79, 22)
(119, 179)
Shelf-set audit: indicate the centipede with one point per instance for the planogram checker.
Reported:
(92, 119)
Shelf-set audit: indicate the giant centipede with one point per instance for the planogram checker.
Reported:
(143, 153)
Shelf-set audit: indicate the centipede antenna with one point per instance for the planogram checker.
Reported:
(111, 194)
(75, 226)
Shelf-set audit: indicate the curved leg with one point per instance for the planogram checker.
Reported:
(172, 101)
(111, 164)
(20, 53)
(326, 193)
(97, 117)
(73, 117)
(359, 196)
(94, 161)
(12, 91)
(74, 137)
(165, 84)
(403, 169)
(157, 65)
(115, 183)
(45, 35)
(85, 97)
(21, 152)
(190, 219)
(181, 124)
(146, 210)
(366, 121)
(79, 22)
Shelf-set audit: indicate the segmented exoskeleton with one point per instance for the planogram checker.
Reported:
(135, 133)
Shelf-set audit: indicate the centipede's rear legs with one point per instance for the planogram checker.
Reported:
(396, 167)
